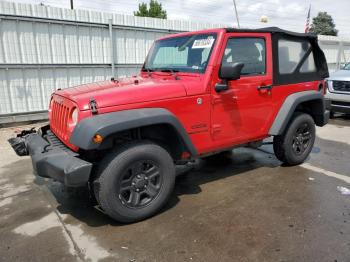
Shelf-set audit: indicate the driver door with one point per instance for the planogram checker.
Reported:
(242, 112)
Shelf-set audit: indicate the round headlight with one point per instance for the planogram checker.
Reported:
(50, 104)
(74, 116)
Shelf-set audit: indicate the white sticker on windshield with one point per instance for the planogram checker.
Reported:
(203, 43)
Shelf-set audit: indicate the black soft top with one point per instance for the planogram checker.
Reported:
(270, 30)
(296, 76)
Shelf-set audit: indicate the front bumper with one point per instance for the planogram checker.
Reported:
(53, 160)
(338, 102)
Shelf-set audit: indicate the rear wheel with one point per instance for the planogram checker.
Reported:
(294, 146)
(135, 182)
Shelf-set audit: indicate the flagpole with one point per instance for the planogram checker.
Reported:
(234, 4)
(307, 24)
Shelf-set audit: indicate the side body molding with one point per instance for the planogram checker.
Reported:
(111, 123)
(317, 109)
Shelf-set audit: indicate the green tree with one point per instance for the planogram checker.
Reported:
(323, 24)
(155, 10)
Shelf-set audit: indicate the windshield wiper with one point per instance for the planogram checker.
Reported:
(172, 71)
(148, 70)
(169, 70)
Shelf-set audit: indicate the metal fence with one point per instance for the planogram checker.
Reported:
(44, 48)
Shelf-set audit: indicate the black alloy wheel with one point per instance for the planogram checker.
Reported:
(135, 181)
(301, 138)
(295, 144)
(140, 184)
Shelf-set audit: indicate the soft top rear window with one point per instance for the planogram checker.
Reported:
(297, 59)
(290, 54)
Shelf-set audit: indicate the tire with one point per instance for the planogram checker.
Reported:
(135, 182)
(295, 144)
(331, 114)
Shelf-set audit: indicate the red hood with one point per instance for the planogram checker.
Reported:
(125, 91)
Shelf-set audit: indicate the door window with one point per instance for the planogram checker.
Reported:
(249, 51)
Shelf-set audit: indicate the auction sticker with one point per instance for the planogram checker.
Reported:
(203, 43)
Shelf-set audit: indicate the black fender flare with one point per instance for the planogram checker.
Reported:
(111, 123)
(291, 103)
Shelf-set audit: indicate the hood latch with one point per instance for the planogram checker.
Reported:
(93, 106)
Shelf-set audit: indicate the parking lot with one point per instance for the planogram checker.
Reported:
(245, 207)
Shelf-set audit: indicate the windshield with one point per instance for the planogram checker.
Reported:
(181, 54)
(346, 67)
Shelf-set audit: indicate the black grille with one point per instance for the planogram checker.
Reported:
(56, 142)
(341, 86)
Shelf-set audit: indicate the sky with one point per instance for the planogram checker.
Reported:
(287, 14)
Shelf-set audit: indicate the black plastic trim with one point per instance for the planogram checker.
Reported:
(290, 104)
(53, 162)
(111, 123)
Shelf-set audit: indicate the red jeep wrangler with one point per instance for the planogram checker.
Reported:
(198, 93)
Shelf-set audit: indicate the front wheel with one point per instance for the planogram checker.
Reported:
(135, 182)
(295, 144)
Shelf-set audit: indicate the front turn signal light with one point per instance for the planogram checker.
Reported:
(97, 139)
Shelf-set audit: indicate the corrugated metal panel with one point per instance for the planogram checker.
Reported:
(5, 95)
(43, 48)
(43, 43)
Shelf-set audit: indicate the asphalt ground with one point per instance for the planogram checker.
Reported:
(242, 207)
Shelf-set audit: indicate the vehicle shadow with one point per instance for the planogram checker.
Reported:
(340, 119)
(79, 204)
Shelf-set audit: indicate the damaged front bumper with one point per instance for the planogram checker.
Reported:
(52, 159)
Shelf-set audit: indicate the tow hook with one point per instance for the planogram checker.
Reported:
(46, 149)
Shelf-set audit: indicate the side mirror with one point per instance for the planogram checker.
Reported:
(231, 71)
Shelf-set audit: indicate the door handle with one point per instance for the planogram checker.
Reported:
(268, 88)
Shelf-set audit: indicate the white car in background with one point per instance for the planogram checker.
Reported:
(338, 93)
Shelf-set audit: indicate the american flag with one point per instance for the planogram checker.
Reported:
(307, 25)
